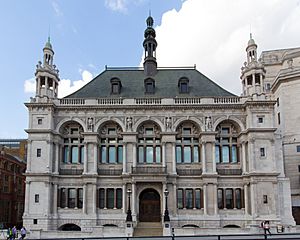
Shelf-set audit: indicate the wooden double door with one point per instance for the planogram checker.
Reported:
(149, 209)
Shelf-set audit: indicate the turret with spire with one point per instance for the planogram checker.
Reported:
(46, 74)
(150, 44)
(253, 72)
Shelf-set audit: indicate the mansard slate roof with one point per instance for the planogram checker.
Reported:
(166, 84)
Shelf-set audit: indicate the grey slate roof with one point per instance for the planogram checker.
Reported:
(166, 84)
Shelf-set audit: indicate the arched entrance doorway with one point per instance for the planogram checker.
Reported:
(149, 210)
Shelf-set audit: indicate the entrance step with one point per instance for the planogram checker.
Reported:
(148, 229)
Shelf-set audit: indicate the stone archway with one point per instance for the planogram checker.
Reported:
(149, 208)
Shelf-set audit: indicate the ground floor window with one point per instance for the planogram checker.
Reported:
(70, 197)
(189, 198)
(110, 198)
(230, 198)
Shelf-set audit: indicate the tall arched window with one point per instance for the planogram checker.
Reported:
(149, 143)
(187, 143)
(73, 147)
(111, 145)
(227, 149)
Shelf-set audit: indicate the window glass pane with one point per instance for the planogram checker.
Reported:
(229, 198)
(141, 154)
(110, 198)
(74, 140)
(112, 140)
(81, 154)
(238, 198)
(63, 196)
(111, 131)
(196, 154)
(115, 88)
(66, 154)
(187, 154)
(189, 198)
(149, 140)
(120, 154)
(112, 155)
(80, 197)
(233, 154)
(157, 150)
(149, 154)
(198, 199)
(101, 198)
(74, 155)
(225, 140)
(178, 154)
(183, 88)
(103, 154)
(119, 198)
(225, 130)
(149, 131)
(186, 131)
(187, 140)
(180, 198)
(217, 154)
(225, 154)
(71, 198)
(220, 199)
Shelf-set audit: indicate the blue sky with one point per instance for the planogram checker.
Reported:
(87, 35)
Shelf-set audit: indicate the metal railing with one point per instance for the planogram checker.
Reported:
(71, 171)
(229, 171)
(189, 172)
(149, 170)
(109, 172)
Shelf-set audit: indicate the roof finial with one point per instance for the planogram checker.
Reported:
(250, 35)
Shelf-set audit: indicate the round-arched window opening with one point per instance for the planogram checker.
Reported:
(70, 227)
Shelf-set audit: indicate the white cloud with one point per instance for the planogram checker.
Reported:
(117, 5)
(213, 34)
(65, 87)
(57, 9)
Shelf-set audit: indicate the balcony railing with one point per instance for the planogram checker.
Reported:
(228, 171)
(189, 172)
(149, 170)
(71, 171)
(110, 172)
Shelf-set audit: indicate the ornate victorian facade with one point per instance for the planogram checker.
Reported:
(134, 143)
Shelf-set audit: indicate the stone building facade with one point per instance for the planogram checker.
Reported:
(135, 142)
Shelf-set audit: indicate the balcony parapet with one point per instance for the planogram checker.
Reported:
(149, 170)
(70, 171)
(189, 172)
(229, 171)
(109, 172)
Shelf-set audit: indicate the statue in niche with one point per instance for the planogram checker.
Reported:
(208, 124)
(90, 124)
(129, 123)
(168, 123)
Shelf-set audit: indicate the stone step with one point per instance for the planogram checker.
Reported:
(148, 229)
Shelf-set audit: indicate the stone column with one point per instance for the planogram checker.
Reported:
(57, 158)
(95, 158)
(124, 158)
(49, 197)
(27, 197)
(216, 199)
(124, 198)
(50, 144)
(46, 86)
(174, 158)
(164, 187)
(163, 154)
(175, 198)
(85, 162)
(251, 155)
(134, 153)
(244, 157)
(214, 157)
(94, 198)
(134, 199)
(84, 204)
(29, 157)
(205, 199)
(203, 157)
(246, 199)
(55, 198)
(252, 199)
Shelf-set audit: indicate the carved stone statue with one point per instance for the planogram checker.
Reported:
(208, 124)
(90, 124)
(168, 123)
(129, 123)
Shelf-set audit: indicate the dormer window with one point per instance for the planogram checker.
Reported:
(183, 85)
(115, 86)
(149, 85)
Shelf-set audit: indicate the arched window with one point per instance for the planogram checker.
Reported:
(227, 150)
(115, 86)
(149, 85)
(111, 146)
(149, 143)
(187, 143)
(73, 148)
